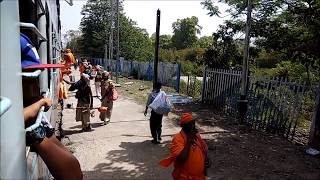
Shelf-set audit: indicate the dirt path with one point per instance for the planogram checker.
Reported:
(121, 149)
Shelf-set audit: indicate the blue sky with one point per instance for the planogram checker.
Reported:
(144, 13)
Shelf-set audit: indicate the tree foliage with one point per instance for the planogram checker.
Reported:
(289, 29)
(185, 32)
(96, 28)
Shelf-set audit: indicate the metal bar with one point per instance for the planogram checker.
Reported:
(41, 6)
(5, 105)
(34, 74)
(33, 28)
(13, 163)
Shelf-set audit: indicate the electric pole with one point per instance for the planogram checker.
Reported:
(118, 60)
(243, 102)
(111, 31)
(156, 51)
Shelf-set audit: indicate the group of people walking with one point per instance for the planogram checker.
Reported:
(188, 151)
(104, 90)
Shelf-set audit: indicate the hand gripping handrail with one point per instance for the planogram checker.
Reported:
(39, 117)
(34, 74)
(5, 105)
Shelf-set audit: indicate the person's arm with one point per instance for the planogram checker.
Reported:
(68, 82)
(91, 98)
(74, 86)
(148, 103)
(31, 111)
(183, 156)
(61, 163)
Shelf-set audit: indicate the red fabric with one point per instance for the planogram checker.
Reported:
(185, 118)
(193, 168)
(114, 94)
(44, 66)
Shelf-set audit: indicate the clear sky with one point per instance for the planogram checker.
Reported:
(144, 13)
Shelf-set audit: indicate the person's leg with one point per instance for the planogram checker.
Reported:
(109, 112)
(159, 127)
(103, 115)
(99, 89)
(153, 127)
(96, 84)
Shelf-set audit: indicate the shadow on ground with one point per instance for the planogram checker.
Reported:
(241, 153)
(135, 160)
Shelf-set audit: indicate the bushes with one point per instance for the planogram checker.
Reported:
(193, 88)
(289, 70)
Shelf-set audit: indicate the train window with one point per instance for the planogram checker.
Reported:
(28, 14)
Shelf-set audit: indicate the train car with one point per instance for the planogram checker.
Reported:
(39, 20)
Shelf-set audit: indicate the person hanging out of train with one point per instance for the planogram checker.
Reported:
(59, 160)
(85, 101)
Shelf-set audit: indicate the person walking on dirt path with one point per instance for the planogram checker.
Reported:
(68, 61)
(104, 82)
(97, 80)
(188, 152)
(107, 101)
(155, 118)
(85, 101)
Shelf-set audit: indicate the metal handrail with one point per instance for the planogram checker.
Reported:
(5, 105)
(33, 28)
(39, 117)
(34, 74)
(41, 6)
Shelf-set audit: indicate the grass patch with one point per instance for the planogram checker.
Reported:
(139, 90)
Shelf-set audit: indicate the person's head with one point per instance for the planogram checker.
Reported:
(85, 60)
(110, 85)
(105, 75)
(158, 86)
(187, 123)
(68, 50)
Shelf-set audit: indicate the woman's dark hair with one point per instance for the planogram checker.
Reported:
(158, 85)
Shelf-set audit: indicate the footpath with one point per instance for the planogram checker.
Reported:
(121, 149)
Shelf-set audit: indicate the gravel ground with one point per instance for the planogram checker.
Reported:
(121, 149)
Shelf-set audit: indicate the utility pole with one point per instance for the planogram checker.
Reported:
(314, 136)
(118, 60)
(111, 31)
(243, 102)
(156, 51)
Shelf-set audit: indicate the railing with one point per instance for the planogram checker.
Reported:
(168, 74)
(275, 105)
(5, 104)
(33, 28)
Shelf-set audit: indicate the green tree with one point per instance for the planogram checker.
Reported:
(288, 28)
(184, 32)
(72, 38)
(205, 42)
(96, 24)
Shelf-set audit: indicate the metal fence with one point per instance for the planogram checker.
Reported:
(275, 105)
(168, 74)
(220, 85)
